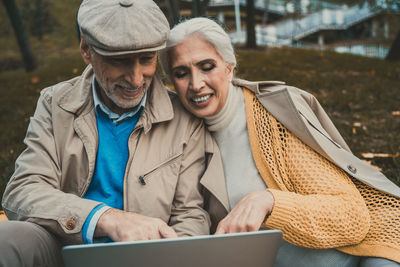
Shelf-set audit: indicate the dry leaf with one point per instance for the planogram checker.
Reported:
(74, 70)
(34, 79)
(371, 155)
(372, 72)
(354, 130)
(396, 113)
(357, 124)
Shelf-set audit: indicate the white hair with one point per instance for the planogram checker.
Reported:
(206, 28)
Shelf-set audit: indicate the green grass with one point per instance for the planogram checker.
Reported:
(354, 90)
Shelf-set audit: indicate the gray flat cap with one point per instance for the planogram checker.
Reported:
(118, 27)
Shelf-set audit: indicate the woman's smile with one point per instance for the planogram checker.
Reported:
(200, 76)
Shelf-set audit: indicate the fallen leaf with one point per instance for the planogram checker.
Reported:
(396, 113)
(34, 79)
(372, 72)
(356, 124)
(371, 155)
(74, 70)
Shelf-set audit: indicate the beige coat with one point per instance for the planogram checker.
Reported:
(167, 147)
(301, 113)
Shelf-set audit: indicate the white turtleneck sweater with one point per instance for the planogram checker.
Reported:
(229, 128)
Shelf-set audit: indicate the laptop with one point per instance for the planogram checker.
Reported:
(255, 249)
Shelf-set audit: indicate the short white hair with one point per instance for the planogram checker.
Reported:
(210, 30)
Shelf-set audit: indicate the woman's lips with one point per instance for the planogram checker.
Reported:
(201, 99)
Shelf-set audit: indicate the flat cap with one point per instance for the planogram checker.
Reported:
(118, 27)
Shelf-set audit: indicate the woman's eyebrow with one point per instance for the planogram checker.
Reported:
(178, 67)
(208, 60)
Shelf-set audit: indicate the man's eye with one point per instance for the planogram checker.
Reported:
(180, 74)
(118, 61)
(147, 59)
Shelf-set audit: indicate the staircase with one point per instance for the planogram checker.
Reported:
(286, 31)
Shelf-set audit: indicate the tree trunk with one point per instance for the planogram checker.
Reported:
(394, 52)
(173, 11)
(204, 5)
(199, 8)
(250, 25)
(20, 34)
(195, 8)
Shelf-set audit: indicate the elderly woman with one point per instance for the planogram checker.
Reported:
(286, 165)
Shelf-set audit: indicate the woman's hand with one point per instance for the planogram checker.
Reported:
(248, 214)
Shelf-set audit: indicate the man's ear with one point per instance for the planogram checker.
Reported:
(85, 51)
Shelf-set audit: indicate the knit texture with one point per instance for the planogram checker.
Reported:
(317, 204)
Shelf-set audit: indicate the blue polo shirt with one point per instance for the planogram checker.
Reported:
(112, 155)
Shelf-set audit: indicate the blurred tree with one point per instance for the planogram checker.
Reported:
(394, 52)
(173, 12)
(250, 25)
(20, 34)
(199, 7)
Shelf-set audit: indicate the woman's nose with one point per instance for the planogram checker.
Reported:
(197, 81)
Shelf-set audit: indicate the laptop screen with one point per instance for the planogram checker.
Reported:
(233, 250)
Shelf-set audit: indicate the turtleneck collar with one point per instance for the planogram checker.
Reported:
(224, 117)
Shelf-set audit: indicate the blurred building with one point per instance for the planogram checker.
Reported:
(360, 29)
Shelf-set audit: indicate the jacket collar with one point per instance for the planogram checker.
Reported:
(254, 86)
(78, 99)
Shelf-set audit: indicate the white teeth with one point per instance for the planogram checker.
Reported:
(201, 99)
(129, 90)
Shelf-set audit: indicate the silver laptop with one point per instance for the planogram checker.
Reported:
(255, 249)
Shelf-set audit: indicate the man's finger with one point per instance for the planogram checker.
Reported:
(167, 232)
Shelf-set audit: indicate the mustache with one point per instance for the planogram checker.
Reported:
(130, 87)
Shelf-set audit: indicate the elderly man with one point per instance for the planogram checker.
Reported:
(111, 153)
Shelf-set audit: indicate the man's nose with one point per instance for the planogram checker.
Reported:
(134, 75)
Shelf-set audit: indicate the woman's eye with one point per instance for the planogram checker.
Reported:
(208, 67)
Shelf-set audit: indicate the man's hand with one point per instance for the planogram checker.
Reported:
(128, 226)
(248, 214)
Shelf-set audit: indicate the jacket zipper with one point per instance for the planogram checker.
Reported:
(142, 178)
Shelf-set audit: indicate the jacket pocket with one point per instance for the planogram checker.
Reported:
(151, 172)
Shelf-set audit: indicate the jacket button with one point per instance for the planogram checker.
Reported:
(71, 224)
(352, 169)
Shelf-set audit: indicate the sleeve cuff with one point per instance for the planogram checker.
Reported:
(91, 221)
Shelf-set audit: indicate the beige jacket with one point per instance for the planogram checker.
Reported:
(167, 147)
(301, 113)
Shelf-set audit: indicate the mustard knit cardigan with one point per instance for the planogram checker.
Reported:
(299, 177)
